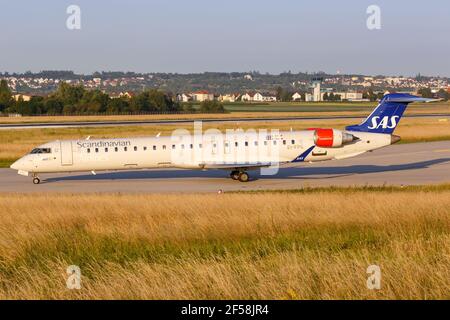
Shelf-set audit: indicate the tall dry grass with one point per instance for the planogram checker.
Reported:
(230, 246)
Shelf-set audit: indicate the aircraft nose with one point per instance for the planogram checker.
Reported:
(19, 165)
(15, 165)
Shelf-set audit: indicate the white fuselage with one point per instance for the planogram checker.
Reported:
(239, 150)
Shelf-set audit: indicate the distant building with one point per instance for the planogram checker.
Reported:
(126, 94)
(247, 97)
(316, 91)
(308, 97)
(202, 95)
(233, 97)
(350, 96)
(25, 97)
(258, 97)
(184, 97)
(269, 97)
(296, 97)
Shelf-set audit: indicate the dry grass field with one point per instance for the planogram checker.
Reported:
(16, 143)
(301, 244)
(280, 109)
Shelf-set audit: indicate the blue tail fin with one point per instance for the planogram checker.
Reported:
(386, 116)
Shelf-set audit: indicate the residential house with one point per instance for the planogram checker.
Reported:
(25, 97)
(247, 97)
(114, 95)
(296, 97)
(269, 97)
(184, 97)
(126, 94)
(229, 97)
(258, 97)
(202, 95)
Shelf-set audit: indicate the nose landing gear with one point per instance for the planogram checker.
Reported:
(242, 176)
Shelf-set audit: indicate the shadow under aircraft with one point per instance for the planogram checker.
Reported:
(304, 172)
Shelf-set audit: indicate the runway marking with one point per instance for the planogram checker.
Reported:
(442, 150)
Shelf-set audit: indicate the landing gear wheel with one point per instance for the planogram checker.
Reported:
(234, 175)
(36, 180)
(243, 177)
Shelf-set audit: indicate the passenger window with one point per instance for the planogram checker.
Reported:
(116, 149)
(284, 142)
(246, 143)
(154, 147)
(135, 148)
(145, 148)
(96, 149)
(173, 146)
(226, 144)
(236, 144)
(164, 147)
(191, 146)
(200, 145)
(265, 142)
(125, 148)
(256, 143)
(88, 150)
(292, 141)
(106, 149)
(182, 146)
(274, 142)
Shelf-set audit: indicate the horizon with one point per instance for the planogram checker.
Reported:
(229, 72)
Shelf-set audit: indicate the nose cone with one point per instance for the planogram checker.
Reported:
(15, 165)
(21, 164)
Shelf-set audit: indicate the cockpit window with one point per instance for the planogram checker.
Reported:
(41, 150)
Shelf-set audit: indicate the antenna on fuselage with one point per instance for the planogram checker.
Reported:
(88, 137)
(159, 133)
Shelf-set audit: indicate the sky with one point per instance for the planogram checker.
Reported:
(226, 36)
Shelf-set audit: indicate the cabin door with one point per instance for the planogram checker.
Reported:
(66, 153)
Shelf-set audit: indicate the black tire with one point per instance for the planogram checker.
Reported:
(234, 175)
(36, 180)
(243, 177)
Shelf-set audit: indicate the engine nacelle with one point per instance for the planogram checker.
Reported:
(332, 138)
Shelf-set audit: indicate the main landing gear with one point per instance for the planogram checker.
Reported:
(242, 176)
(36, 180)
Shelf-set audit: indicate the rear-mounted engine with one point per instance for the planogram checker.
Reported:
(332, 138)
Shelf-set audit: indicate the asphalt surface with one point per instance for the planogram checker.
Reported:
(404, 164)
(78, 124)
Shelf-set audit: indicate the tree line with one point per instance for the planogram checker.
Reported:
(75, 99)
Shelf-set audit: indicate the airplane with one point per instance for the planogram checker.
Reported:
(237, 152)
